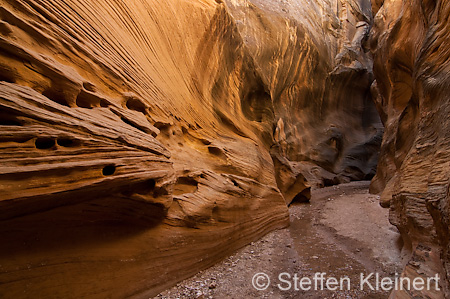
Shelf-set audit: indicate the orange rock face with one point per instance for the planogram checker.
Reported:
(142, 141)
(410, 42)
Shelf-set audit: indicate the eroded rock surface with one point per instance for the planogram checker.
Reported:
(142, 141)
(316, 73)
(410, 42)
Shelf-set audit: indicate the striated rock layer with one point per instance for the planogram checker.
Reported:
(141, 141)
(410, 42)
(315, 75)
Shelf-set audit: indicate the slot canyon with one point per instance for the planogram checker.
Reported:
(147, 143)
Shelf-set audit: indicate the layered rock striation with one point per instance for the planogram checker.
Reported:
(317, 72)
(142, 141)
(411, 61)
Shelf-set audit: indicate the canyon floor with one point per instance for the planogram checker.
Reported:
(342, 231)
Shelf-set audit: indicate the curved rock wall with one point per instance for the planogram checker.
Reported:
(410, 42)
(143, 140)
(318, 72)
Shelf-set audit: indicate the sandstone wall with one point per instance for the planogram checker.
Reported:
(144, 140)
(318, 72)
(410, 42)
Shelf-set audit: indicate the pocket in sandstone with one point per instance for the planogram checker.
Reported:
(89, 86)
(57, 95)
(54, 143)
(156, 192)
(8, 119)
(185, 185)
(68, 142)
(109, 170)
(45, 143)
(257, 105)
(133, 102)
(217, 151)
(163, 127)
(88, 99)
(302, 197)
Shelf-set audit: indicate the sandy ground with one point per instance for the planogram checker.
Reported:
(343, 232)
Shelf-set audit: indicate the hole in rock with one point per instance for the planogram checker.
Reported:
(66, 142)
(303, 196)
(45, 143)
(235, 183)
(89, 86)
(109, 170)
(136, 105)
(145, 187)
(205, 141)
(104, 104)
(162, 127)
(87, 100)
(215, 151)
(83, 102)
(185, 185)
(257, 104)
(9, 120)
(161, 191)
(56, 96)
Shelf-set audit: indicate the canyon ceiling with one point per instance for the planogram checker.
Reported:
(142, 141)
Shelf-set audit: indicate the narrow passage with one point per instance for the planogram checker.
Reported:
(343, 232)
